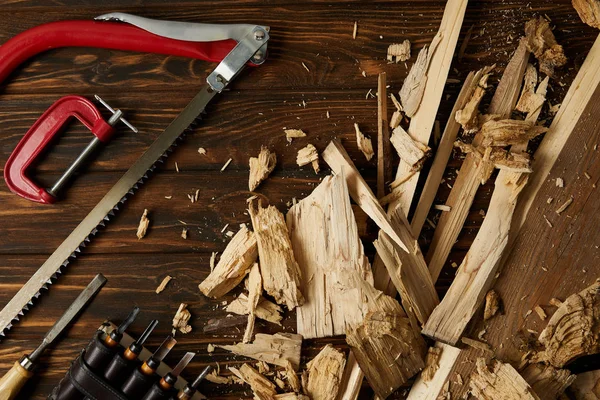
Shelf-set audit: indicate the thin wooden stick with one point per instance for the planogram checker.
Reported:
(383, 137)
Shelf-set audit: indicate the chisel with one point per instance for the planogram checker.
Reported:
(190, 389)
(22, 370)
(164, 389)
(138, 383)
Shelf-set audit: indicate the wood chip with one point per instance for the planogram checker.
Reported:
(589, 12)
(143, 226)
(176, 167)
(560, 182)
(476, 344)
(275, 349)
(541, 313)
(442, 207)
(210, 348)
(364, 144)
(410, 150)
(492, 304)
(163, 284)
(413, 87)
(530, 101)
(542, 43)
(262, 388)
(571, 331)
(555, 302)
(181, 318)
(432, 363)
(201, 151)
(278, 267)
(499, 381)
(305, 67)
(399, 52)
(184, 233)
(325, 373)
(218, 379)
(226, 164)
(235, 262)
(261, 167)
(355, 30)
(508, 132)
(291, 134)
(308, 155)
(564, 206)
(254, 285)
(265, 310)
(468, 116)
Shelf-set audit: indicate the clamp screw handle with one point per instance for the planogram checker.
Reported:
(117, 115)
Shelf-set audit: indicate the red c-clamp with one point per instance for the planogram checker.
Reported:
(40, 135)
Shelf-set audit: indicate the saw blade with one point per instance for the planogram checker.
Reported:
(101, 213)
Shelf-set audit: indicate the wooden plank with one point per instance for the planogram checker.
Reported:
(421, 124)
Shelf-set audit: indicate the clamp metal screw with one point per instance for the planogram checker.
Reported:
(259, 35)
(117, 115)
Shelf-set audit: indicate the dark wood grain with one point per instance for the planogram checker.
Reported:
(152, 89)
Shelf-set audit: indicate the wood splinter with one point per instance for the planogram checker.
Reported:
(275, 349)
(364, 143)
(143, 226)
(499, 381)
(492, 305)
(261, 167)
(411, 151)
(399, 52)
(265, 309)
(181, 318)
(308, 155)
(589, 12)
(468, 116)
(432, 363)
(291, 134)
(254, 284)
(325, 373)
(235, 262)
(163, 284)
(542, 43)
(507, 132)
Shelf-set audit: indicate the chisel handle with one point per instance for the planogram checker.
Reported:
(12, 382)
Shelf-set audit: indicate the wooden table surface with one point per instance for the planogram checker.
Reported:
(152, 89)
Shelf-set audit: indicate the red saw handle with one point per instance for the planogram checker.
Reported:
(39, 136)
(107, 35)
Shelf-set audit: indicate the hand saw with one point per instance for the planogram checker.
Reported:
(233, 46)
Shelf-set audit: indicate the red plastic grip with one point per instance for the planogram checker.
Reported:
(39, 137)
(102, 34)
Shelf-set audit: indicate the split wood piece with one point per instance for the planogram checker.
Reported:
(291, 396)
(291, 134)
(384, 171)
(542, 43)
(546, 381)
(364, 143)
(421, 124)
(308, 155)
(586, 386)
(385, 345)
(432, 363)
(572, 331)
(278, 267)
(221, 324)
(507, 132)
(340, 163)
(163, 284)
(143, 226)
(326, 244)
(181, 319)
(292, 378)
(437, 385)
(589, 12)
(562, 126)
(275, 349)
(352, 379)
(492, 305)
(530, 101)
(254, 285)
(261, 167)
(235, 262)
(262, 388)
(408, 271)
(265, 310)
(442, 155)
(499, 381)
(398, 115)
(468, 116)
(413, 88)
(325, 373)
(398, 52)
(467, 182)
(410, 150)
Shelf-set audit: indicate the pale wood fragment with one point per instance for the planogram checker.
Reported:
(434, 388)
(275, 349)
(308, 155)
(262, 388)
(235, 262)
(413, 88)
(492, 305)
(278, 267)
(542, 43)
(468, 115)
(326, 244)
(546, 381)
(398, 52)
(181, 318)
(432, 363)
(143, 226)
(265, 310)
(364, 143)
(586, 386)
(325, 373)
(589, 12)
(163, 284)
(254, 285)
(572, 331)
(261, 167)
(476, 344)
(507, 132)
(530, 101)
(410, 150)
(540, 312)
(499, 381)
(292, 378)
(291, 134)
(291, 396)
